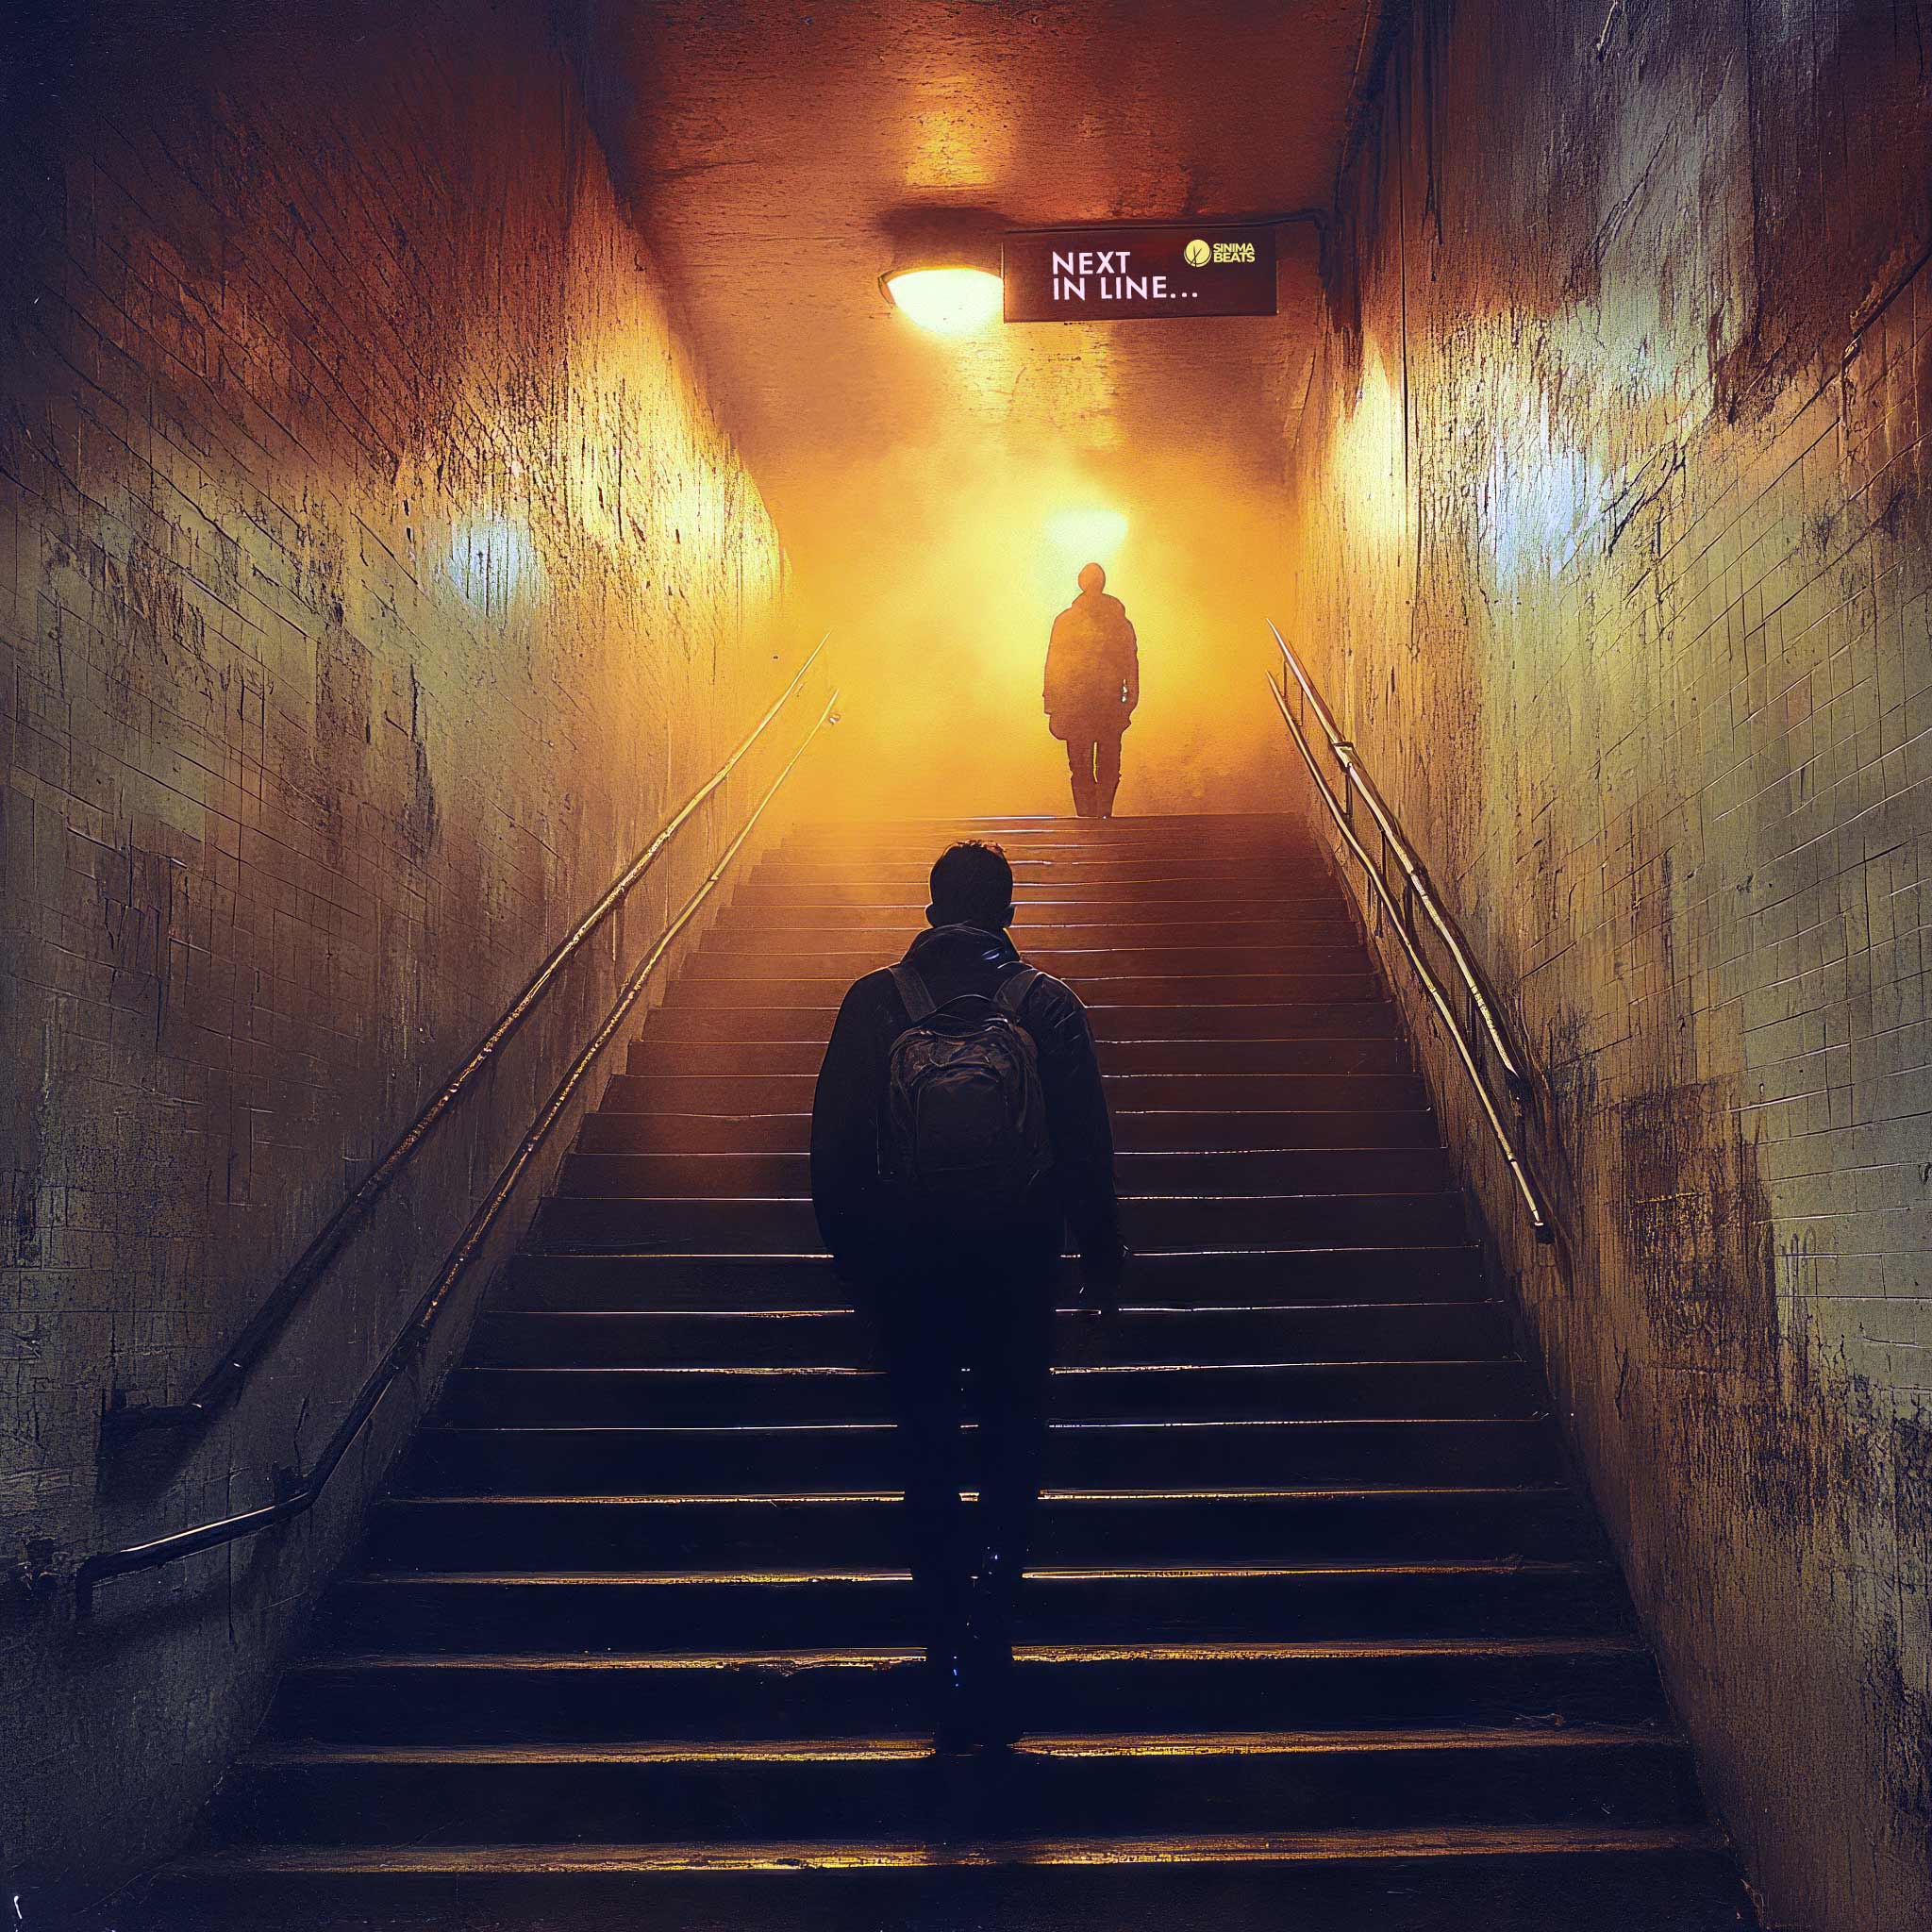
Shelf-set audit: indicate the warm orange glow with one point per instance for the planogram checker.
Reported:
(941, 568)
(948, 301)
(1085, 536)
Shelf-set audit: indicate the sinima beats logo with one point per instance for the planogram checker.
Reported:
(1197, 254)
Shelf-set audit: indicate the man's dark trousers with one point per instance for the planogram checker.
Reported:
(966, 1328)
(1095, 761)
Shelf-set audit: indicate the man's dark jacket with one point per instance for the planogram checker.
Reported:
(1092, 669)
(859, 1215)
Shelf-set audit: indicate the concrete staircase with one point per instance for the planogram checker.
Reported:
(1316, 1633)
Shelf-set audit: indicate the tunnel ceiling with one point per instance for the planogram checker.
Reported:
(769, 148)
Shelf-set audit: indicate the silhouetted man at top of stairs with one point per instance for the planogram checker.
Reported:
(937, 1064)
(1092, 685)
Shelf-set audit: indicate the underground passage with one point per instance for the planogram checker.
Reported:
(967, 964)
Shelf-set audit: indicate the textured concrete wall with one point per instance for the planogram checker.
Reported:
(1612, 549)
(374, 580)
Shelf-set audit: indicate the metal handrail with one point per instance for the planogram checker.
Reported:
(1417, 893)
(241, 1353)
(300, 1496)
(1416, 880)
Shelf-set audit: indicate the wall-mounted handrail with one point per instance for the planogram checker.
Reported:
(1416, 878)
(1417, 894)
(300, 1496)
(231, 1370)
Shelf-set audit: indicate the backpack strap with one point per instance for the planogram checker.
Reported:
(1011, 991)
(919, 1002)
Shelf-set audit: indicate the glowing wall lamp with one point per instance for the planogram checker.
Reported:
(945, 268)
(948, 301)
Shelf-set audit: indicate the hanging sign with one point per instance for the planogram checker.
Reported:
(1137, 274)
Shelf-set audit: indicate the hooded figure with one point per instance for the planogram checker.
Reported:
(1092, 685)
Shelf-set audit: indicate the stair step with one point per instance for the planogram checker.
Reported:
(857, 1692)
(745, 954)
(925, 841)
(1210, 1456)
(1209, 1279)
(732, 1788)
(915, 854)
(682, 1397)
(1195, 830)
(1195, 825)
(1585, 1877)
(1264, 879)
(1194, 992)
(767, 1225)
(1427, 1331)
(613, 1131)
(1534, 1520)
(656, 1054)
(1373, 1019)
(1452, 1616)
(1304, 1170)
(1166, 891)
(1051, 926)
(765, 1089)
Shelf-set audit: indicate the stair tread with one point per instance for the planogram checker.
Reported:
(1080, 1573)
(643, 1370)
(525, 1312)
(1461, 1491)
(783, 1257)
(1370, 1001)
(615, 1111)
(1126, 1194)
(575, 1856)
(1204, 1744)
(1236, 1651)
(880, 1425)
(816, 1035)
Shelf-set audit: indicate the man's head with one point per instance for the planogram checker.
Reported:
(1092, 579)
(972, 885)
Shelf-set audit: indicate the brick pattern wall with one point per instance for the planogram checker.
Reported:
(374, 580)
(1610, 547)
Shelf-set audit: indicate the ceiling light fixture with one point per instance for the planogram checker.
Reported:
(942, 272)
(951, 301)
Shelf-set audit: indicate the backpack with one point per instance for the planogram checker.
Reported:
(964, 1135)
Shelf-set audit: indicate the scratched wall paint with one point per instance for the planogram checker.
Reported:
(1613, 545)
(373, 579)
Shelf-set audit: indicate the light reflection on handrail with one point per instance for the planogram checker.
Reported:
(1416, 887)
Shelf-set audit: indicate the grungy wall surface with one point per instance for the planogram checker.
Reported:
(374, 580)
(1612, 547)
